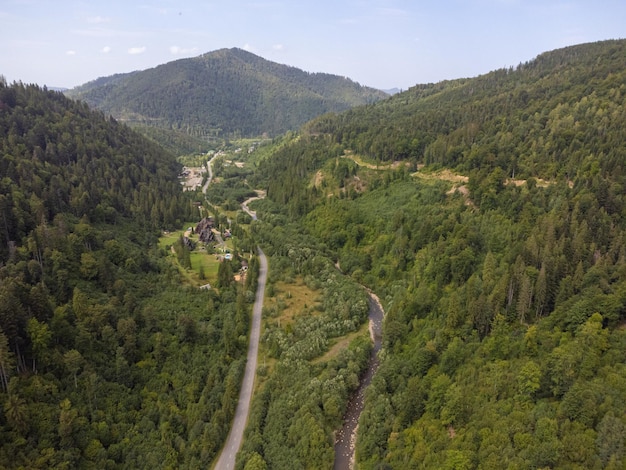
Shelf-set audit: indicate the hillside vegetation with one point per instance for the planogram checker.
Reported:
(225, 93)
(542, 118)
(106, 361)
(488, 215)
(504, 341)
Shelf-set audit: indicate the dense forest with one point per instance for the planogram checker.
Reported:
(503, 277)
(487, 214)
(225, 93)
(107, 359)
(537, 119)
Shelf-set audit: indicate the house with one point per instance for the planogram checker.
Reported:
(204, 229)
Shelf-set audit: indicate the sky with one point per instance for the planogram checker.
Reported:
(380, 43)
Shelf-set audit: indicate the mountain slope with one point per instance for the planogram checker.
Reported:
(457, 123)
(224, 92)
(506, 298)
(106, 361)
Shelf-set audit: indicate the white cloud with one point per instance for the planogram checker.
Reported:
(70, 52)
(136, 50)
(98, 19)
(248, 47)
(394, 12)
(99, 32)
(106, 49)
(175, 50)
(278, 47)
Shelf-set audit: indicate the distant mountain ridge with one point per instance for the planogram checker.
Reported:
(225, 92)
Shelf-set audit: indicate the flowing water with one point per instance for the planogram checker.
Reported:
(345, 439)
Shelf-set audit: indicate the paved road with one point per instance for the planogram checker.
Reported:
(233, 443)
(210, 178)
(244, 204)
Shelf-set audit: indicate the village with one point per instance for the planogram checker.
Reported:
(208, 242)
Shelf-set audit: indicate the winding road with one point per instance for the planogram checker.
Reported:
(345, 439)
(233, 442)
(227, 458)
(210, 178)
(244, 204)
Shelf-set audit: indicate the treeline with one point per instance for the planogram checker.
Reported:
(494, 321)
(225, 93)
(105, 360)
(178, 142)
(288, 176)
(505, 300)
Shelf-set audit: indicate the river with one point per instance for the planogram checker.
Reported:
(345, 439)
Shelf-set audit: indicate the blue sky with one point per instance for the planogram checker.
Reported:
(380, 43)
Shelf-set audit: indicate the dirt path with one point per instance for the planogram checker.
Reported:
(371, 166)
(459, 181)
(228, 455)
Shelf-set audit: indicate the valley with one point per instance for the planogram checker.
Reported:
(435, 279)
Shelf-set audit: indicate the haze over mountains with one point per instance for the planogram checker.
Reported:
(225, 92)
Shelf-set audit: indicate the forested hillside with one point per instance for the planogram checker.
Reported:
(488, 214)
(503, 277)
(223, 93)
(540, 118)
(106, 359)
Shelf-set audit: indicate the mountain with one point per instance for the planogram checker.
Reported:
(106, 359)
(458, 122)
(225, 92)
(393, 91)
(489, 216)
(547, 118)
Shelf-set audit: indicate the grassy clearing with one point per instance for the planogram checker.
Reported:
(291, 300)
(209, 264)
(341, 343)
(167, 239)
